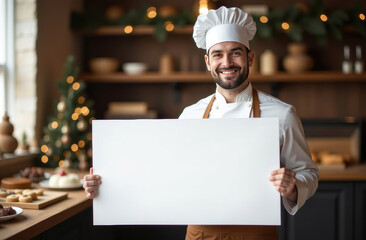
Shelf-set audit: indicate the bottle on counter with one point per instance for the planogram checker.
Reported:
(358, 62)
(346, 64)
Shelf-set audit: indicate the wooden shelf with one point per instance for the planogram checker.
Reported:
(138, 30)
(151, 77)
(201, 77)
(313, 76)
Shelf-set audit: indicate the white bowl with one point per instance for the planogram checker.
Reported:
(103, 65)
(134, 68)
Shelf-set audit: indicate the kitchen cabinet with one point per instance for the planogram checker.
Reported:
(360, 211)
(336, 211)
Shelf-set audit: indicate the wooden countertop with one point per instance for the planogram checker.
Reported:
(33, 222)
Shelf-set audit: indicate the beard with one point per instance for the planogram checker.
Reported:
(231, 83)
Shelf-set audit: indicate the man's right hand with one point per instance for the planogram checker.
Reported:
(91, 184)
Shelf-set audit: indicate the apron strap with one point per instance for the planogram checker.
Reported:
(209, 106)
(256, 109)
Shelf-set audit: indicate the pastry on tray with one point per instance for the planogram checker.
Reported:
(63, 180)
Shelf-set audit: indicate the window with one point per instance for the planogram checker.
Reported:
(2, 56)
(6, 55)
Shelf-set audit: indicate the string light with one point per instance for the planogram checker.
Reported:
(81, 100)
(362, 16)
(76, 86)
(44, 148)
(74, 147)
(85, 111)
(169, 26)
(263, 19)
(70, 79)
(285, 26)
(323, 17)
(81, 144)
(54, 125)
(44, 159)
(78, 110)
(128, 29)
(74, 116)
(151, 12)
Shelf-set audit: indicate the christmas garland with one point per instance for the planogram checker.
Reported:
(295, 21)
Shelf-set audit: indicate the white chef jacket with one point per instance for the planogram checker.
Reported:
(294, 151)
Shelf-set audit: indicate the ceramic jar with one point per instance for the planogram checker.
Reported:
(8, 143)
(268, 63)
(166, 64)
(297, 61)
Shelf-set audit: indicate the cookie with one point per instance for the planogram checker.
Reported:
(3, 193)
(25, 199)
(12, 198)
(18, 191)
(30, 193)
(39, 192)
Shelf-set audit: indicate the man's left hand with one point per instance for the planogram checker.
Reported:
(285, 182)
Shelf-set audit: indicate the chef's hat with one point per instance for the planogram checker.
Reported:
(223, 25)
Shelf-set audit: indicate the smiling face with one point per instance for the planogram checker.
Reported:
(229, 64)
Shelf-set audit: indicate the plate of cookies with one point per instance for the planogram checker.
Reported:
(29, 198)
(9, 212)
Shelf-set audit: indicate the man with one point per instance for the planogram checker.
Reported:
(225, 34)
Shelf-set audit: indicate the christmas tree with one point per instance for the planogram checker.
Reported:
(67, 137)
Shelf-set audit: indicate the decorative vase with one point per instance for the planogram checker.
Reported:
(297, 61)
(8, 143)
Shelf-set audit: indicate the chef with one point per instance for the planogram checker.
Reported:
(225, 34)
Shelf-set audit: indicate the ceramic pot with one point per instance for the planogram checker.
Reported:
(297, 61)
(103, 65)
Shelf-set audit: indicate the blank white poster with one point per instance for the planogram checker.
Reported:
(201, 171)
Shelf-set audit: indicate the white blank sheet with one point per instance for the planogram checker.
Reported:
(202, 171)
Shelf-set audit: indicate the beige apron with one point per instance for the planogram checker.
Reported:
(226, 232)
